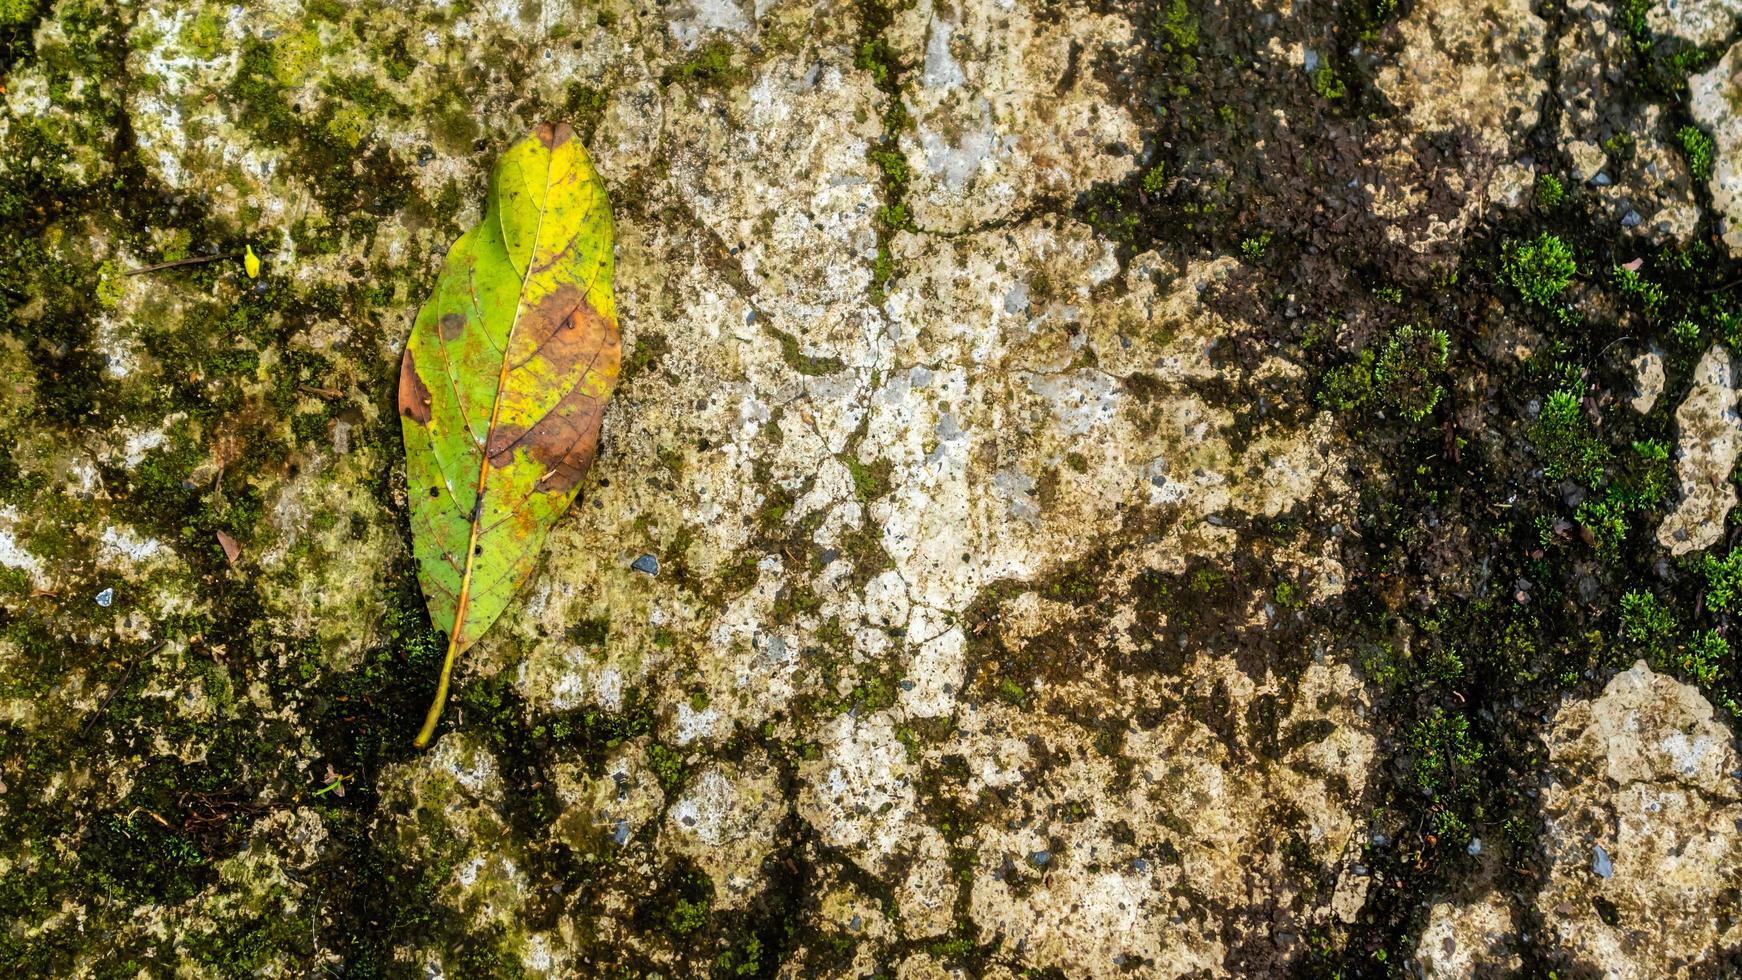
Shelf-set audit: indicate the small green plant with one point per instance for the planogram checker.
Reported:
(1701, 152)
(1443, 745)
(687, 916)
(1550, 193)
(13, 12)
(1540, 269)
(1253, 248)
(1703, 658)
(1348, 386)
(1606, 520)
(1327, 84)
(1649, 295)
(1404, 374)
(1723, 581)
(711, 67)
(1155, 180)
(667, 766)
(1648, 479)
(1563, 438)
(1645, 620)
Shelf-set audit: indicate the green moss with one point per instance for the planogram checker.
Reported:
(1649, 295)
(1605, 520)
(1704, 659)
(687, 916)
(1180, 25)
(870, 480)
(1401, 377)
(667, 766)
(584, 106)
(1348, 386)
(109, 285)
(1701, 152)
(798, 360)
(1646, 621)
(204, 35)
(710, 67)
(17, 11)
(893, 165)
(1540, 268)
(1327, 84)
(1404, 375)
(873, 55)
(589, 632)
(1550, 194)
(1155, 179)
(1723, 580)
(1445, 751)
(1565, 441)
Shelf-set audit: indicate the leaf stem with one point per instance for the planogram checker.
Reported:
(441, 695)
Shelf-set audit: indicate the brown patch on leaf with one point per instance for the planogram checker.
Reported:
(413, 394)
(451, 325)
(568, 333)
(553, 135)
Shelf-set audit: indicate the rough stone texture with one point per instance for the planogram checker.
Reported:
(1644, 822)
(1471, 74)
(1013, 551)
(1701, 22)
(1648, 386)
(1621, 151)
(1710, 431)
(1468, 940)
(1712, 95)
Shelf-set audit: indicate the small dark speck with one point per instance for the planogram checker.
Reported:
(907, 685)
(425, 155)
(1041, 858)
(749, 316)
(646, 563)
(830, 554)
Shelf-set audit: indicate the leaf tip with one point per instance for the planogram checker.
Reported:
(554, 134)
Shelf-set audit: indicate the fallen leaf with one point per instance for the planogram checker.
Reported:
(503, 385)
(232, 550)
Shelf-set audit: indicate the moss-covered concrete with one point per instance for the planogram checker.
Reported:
(1150, 488)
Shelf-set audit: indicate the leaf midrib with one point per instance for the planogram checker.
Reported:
(477, 516)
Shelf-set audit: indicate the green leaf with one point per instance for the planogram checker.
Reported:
(503, 385)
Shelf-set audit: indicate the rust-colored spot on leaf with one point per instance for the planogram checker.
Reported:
(568, 334)
(451, 326)
(413, 394)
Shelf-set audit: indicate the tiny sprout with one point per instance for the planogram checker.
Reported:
(251, 262)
